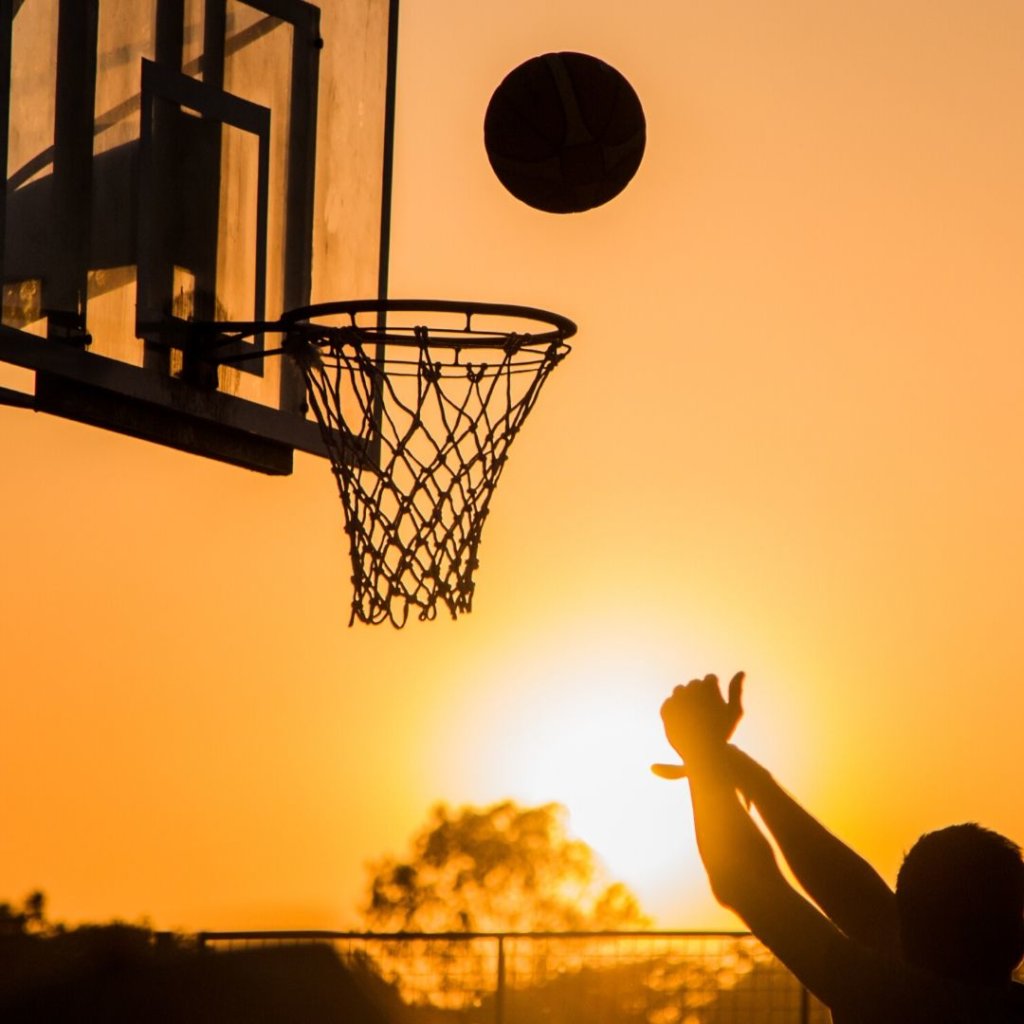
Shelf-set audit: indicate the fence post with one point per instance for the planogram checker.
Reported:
(499, 995)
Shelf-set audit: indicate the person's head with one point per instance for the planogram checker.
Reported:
(960, 897)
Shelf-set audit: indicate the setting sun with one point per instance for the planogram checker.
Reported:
(581, 727)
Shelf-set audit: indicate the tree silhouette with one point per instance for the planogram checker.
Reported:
(498, 868)
(30, 919)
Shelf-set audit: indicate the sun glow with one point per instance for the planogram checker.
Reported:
(583, 732)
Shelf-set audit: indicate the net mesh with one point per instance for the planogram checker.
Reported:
(418, 423)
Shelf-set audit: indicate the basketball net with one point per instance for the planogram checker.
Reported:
(418, 426)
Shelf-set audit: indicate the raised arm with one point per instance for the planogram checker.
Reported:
(846, 887)
(740, 864)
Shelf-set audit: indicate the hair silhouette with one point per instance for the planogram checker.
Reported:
(960, 898)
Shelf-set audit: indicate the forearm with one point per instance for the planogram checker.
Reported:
(740, 863)
(736, 856)
(745, 877)
(842, 883)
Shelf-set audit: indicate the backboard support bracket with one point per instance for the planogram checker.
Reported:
(94, 389)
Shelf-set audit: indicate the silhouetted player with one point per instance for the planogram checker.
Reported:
(940, 950)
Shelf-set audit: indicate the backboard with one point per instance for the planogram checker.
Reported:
(170, 161)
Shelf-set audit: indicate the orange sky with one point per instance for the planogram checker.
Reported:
(788, 439)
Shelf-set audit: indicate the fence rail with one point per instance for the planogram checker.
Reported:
(610, 977)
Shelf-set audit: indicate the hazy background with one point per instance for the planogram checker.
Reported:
(788, 439)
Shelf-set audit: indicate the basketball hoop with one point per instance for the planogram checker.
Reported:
(431, 395)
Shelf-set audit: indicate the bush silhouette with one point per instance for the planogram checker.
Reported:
(117, 974)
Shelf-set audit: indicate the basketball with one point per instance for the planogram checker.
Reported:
(564, 132)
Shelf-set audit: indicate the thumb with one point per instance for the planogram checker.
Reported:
(736, 691)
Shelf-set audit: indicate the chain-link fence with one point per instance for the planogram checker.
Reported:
(562, 978)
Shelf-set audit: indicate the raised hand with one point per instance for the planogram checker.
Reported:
(698, 721)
